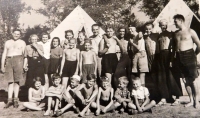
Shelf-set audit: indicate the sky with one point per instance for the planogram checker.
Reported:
(31, 19)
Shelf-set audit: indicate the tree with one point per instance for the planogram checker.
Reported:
(153, 7)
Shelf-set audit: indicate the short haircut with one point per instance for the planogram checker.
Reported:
(104, 79)
(122, 28)
(88, 41)
(180, 17)
(95, 25)
(123, 79)
(53, 40)
(109, 27)
(33, 35)
(91, 76)
(56, 76)
(69, 31)
(16, 29)
(136, 79)
(44, 33)
(37, 79)
(149, 24)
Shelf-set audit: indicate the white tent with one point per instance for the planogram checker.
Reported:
(172, 8)
(76, 21)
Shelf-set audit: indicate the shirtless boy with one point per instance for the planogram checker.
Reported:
(88, 61)
(105, 96)
(70, 62)
(87, 93)
(186, 57)
(108, 51)
(12, 66)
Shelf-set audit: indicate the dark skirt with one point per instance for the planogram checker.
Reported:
(54, 65)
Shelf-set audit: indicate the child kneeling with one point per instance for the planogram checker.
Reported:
(140, 96)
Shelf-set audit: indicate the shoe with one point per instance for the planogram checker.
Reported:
(8, 104)
(16, 104)
(58, 113)
(76, 110)
(121, 110)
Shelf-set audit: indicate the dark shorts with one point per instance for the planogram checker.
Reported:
(46, 65)
(35, 69)
(187, 62)
(69, 68)
(54, 65)
(104, 103)
(87, 69)
(109, 63)
(14, 68)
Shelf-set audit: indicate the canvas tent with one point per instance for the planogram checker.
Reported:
(77, 20)
(177, 7)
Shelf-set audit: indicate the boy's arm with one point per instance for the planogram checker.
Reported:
(128, 99)
(119, 44)
(102, 49)
(137, 103)
(95, 62)
(98, 98)
(94, 94)
(78, 90)
(146, 101)
(117, 96)
(80, 63)
(77, 57)
(4, 58)
(111, 98)
(195, 39)
(62, 62)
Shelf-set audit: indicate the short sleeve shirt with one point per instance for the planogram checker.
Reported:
(123, 93)
(56, 52)
(140, 93)
(30, 51)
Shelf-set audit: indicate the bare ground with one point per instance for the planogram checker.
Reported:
(166, 111)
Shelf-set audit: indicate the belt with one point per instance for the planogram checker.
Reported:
(13, 56)
(183, 52)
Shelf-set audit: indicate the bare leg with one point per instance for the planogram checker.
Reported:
(113, 106)
(109, 75)
(150, 105)
(131, 105)
(16, 90)
(46, 85)
(65, 81)
(196, 93)
(10, 90)
(47, 113)
(142, 77)
(67, 107)
(32, 106)
(56, 104)
(189, 91)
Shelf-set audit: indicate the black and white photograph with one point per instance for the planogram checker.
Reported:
(100, 58)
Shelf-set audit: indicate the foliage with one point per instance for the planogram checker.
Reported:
(154, 7)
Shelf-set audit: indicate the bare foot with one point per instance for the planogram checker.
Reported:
(197, 105)
(47, 113)
(189, 104)
(81, 114)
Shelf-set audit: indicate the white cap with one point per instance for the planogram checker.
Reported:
(76, 77)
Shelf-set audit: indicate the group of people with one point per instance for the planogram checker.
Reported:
(103, 72)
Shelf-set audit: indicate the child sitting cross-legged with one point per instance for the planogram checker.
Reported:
(69, 95)
(87, 93)
(122, 96)
(54, 94)
(35, 96)
(105, 96)
(140, 96)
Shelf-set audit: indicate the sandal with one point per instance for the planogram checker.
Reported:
(177, 102)
(161, 103)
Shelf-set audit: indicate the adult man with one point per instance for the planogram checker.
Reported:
(186, 57)
(96, 38)
(166, 84)
(12, 66)
(124, 64)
